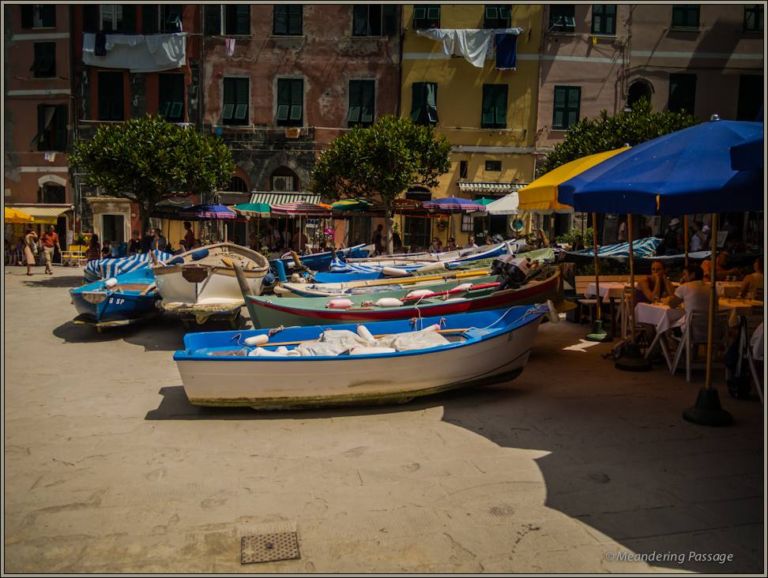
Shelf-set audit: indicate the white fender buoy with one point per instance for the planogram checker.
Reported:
(389, 302)
(394, 272)
(371, 350)
(419, 293)
(339, 304)
(110, 283)
(257, 340)
(363, 332)
(461, 288)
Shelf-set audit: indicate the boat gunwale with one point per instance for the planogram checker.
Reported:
(533, 313)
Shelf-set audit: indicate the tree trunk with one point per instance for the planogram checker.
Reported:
(390, 216)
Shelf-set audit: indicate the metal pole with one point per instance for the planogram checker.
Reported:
(630, 236)
(685, 237)
(712, 304)
(597, 266)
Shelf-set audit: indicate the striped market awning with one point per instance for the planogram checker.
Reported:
(489, 188)
(301, 210)
(273, 198)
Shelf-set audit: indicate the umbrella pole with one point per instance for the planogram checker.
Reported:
(631, 358)
(685, 237)
(707, 410)
(598, 333)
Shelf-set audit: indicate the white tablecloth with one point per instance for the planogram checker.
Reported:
(662, 317)
(608, 290)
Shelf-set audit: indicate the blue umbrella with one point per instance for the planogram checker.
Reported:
(687, 171)
(749, 155)
(207, 212)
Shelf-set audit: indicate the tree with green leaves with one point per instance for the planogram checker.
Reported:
(380, 162)
(604, 133)
(147, 160)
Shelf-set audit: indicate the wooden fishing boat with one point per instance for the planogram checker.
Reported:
(376, 285)
(271, 311)
(200, 284)
(300, 367)
(117, 301)
(321, 261)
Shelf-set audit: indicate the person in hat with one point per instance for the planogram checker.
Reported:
(672, 241)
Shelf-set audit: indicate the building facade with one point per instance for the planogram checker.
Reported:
(130, 60)
(484, 106)
(37, 113)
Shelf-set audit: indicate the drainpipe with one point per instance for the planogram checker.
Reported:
(73, 133)
(401, 30)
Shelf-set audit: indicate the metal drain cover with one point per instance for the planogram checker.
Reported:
(269, 547)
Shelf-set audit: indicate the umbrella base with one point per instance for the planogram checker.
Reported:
(707, 410)
(632, 359)
(598, 333)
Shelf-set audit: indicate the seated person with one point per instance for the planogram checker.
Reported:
(657, 285)
(722, 271)
(436, 246)
(752, 285)
(693, 294)
(451, 245)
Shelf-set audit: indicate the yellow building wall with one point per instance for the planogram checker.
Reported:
(460, 95)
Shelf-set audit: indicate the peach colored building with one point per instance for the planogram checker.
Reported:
(37, 117)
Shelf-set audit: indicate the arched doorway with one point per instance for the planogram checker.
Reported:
(417, 229)
(284, 179)
(237, 185)
(639, 90)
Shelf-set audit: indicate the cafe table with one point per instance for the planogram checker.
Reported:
(663, 318)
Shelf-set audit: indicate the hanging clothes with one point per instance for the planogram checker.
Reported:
(230, 45)
(506, 51)
(472, 44)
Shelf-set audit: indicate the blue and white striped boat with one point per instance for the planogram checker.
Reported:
(380, 362)
(107, 268)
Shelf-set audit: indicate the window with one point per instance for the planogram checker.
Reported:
(562, 17)
(237, 19)
(235, 109)
(44, 65)
(117, 18)
(462, 169)
(287, 20)
(171, 97)
(51, 127)
(494, 113)
(493, 166)
(362, 102)
(685, 16)
(236, 184)
(753, 18)
(566, 109)
(163, 18)
(639, 90)
(496, 16)
(750, 97)
(111, 97)
(282, 183)
(467, 223)
(424, 103)
(38, 15)
(290, 102)
(366, 20)
(604, 19)
(426, 16)
(682, 93)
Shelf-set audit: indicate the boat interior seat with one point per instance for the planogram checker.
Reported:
(131, 286)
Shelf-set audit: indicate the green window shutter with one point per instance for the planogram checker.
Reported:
(389, 19)
(60, 128)
(369, 102)
(353, 116)
(501, 106)
(418, 100)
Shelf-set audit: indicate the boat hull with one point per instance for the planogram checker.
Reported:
(134, 298)
(208, 282)
(275, 311)
(272, 383)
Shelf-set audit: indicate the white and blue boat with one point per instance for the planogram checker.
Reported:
(117, 301)
(375, 363)
(316, 261)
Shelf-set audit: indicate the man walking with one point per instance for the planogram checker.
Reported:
(50, 242)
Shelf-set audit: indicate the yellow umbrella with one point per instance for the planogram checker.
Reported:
(17, 217)
(541, 194)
